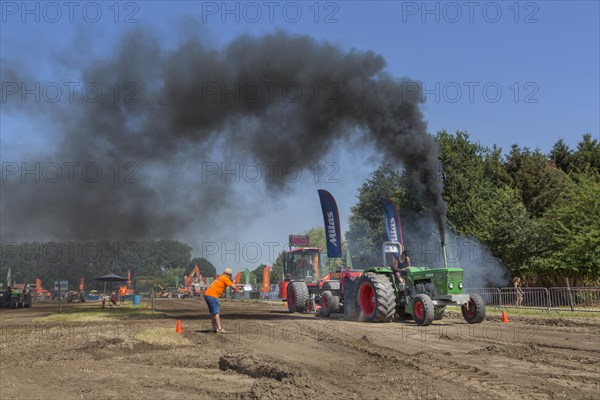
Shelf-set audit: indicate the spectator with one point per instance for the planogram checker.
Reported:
(517, 285)
(122, 293)
(212, 294)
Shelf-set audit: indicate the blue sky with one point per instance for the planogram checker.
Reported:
(542, 56)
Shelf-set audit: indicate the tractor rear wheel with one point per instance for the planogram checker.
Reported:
(376, 298)
(474, 311)
(297, 296)
(423, 310)
(329, 303)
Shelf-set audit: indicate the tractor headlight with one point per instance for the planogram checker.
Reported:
(460, 285)
(451, 285)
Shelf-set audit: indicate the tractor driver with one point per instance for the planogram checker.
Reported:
(400, 266)
(303, 267)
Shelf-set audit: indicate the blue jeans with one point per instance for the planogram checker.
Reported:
(213, 304)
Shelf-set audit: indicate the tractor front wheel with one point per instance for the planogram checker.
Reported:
(375, 298)
(329, 303)
(423, 310)
(14, 303)
(474, 311)
(297, 296)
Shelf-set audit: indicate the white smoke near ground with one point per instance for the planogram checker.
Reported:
(423, 244)
(482, 269)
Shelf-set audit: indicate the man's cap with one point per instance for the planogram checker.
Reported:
(228, 271)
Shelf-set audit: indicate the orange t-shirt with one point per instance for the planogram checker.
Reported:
(122, 291)
(217, 288)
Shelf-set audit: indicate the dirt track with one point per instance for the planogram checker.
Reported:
(270, 354)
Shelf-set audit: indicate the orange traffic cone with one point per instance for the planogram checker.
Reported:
(504, 317)
(179, 329)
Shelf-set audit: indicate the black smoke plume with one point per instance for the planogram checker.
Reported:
(270, 99)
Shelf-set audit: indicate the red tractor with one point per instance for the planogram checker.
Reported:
(301, 285)
(75, 295)
(307, 286)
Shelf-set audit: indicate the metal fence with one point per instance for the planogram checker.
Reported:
(491, 296)
(575, 299)
(584, 299)
(536, 297)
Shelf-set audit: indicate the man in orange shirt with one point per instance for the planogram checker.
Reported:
(212, 294)
(122, 293)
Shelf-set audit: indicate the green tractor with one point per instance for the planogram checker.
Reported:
(13, 298)
(423, 297)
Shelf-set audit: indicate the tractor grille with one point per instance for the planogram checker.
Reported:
(455, 276)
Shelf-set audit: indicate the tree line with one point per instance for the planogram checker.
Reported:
(164, 261)
(537, 213)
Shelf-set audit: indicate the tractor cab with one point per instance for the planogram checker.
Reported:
(301, 272)
(302, 264)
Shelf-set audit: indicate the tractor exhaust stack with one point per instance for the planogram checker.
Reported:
(444, 254)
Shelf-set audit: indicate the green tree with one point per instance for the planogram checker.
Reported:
(503, 224)
(537, 179)
(317, 239)
(171, 276)
(316, 235)
(277, 271)
(206, 267)
(586, 158)
(367, 226)
(466, 185)
(257, 274)
(572, 234)
(562, 156)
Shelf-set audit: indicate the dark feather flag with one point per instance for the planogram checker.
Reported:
(331, 219)
(392, 221)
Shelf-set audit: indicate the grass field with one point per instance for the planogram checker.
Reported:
(93, 313)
